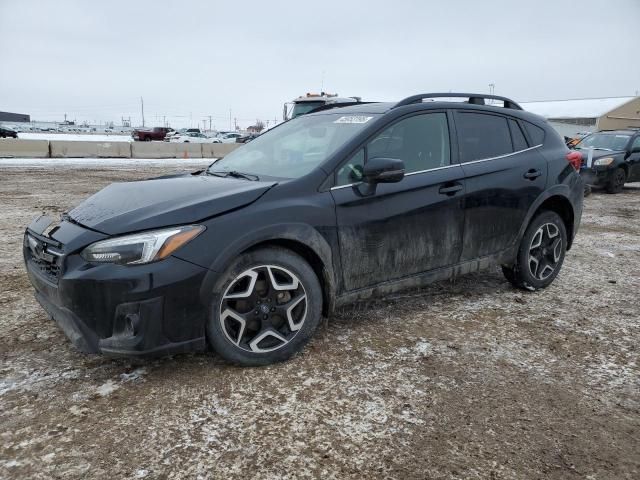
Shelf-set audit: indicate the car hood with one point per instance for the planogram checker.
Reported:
(134, 206)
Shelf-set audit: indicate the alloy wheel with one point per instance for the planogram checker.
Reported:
(263, 308)
(545, 251)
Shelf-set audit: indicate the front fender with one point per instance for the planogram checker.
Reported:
(296, 232)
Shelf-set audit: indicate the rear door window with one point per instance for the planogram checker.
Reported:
(482, 136)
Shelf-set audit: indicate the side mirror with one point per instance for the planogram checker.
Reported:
(635, 149)
(383, 170)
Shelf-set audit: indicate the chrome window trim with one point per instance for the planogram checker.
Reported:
(452, 165)
(500, 156)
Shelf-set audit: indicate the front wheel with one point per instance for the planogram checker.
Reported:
(616, 184)
(264, 308)
(541, 253)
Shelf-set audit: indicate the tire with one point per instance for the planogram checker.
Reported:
(264, 308)
(541, 253)
(147, 139)
(616, 184)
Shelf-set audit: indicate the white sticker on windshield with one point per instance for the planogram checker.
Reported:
(353, 119)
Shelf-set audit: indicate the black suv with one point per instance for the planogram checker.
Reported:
(336, 206)
(610, 158)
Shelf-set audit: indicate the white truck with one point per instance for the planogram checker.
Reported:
(311, 101)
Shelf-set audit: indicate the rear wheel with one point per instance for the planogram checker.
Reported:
(616, 184)
(264, 308)
(541, 253)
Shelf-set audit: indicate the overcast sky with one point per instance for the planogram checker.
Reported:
(190, 59)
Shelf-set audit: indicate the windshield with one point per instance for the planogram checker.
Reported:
(294, 148)
(604, 141)
(304, 107)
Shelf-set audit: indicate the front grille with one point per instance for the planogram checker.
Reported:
(44, 256)
(50, 270)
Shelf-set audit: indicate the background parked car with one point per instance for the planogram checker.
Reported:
(610, 158)
(246, 138)
(146, 135)
(193, 137)
(6, 132)
(229, 137)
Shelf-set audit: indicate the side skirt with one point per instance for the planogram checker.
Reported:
(426, 278)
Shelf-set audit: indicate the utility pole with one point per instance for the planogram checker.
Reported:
(230, 125)
(209, 122)
(142, 109)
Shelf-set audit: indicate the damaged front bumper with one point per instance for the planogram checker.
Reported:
(598, 176)
(114, 309)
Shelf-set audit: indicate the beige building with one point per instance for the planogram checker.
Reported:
(570, 117)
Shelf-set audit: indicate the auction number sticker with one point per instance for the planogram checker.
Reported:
(353, 119)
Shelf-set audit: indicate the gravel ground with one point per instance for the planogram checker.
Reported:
(464, 379)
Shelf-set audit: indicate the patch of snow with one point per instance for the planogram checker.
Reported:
(104, 162)
(74, 137)
(578, 108)
(107, 388)
(133, 376)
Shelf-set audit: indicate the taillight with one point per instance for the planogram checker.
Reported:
(575, 159)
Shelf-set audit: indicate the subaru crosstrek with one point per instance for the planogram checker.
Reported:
(337, 206)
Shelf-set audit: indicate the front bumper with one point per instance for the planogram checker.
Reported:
(598, 176)
(115, 309)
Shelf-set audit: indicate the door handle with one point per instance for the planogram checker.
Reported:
(450, 189)
(532, 174)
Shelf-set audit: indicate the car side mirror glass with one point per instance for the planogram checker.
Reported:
(383, 170)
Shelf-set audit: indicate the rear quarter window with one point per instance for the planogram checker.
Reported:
(536, 134)
(519, 141)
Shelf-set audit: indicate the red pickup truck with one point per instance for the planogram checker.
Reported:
(148, 134)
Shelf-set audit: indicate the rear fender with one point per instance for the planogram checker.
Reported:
(563, 191)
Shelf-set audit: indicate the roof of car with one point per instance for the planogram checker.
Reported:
(378, 107)
(384, 107)
(621, 131)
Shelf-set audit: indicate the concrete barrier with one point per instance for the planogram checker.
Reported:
(74, 149)
(113, 149)
(14, 147)
(218, 150)
(188, 150)
(153, 150)
(11, 147)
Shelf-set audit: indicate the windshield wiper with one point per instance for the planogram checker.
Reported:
(235, 174)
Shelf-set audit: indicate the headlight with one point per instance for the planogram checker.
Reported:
(601, 162)
(141, 247)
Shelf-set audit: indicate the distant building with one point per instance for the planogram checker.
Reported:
(570, 117)
(14, 117)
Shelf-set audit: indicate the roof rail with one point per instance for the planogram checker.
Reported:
(473, 98)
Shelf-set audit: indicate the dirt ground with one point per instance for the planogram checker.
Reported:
(464, 379)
